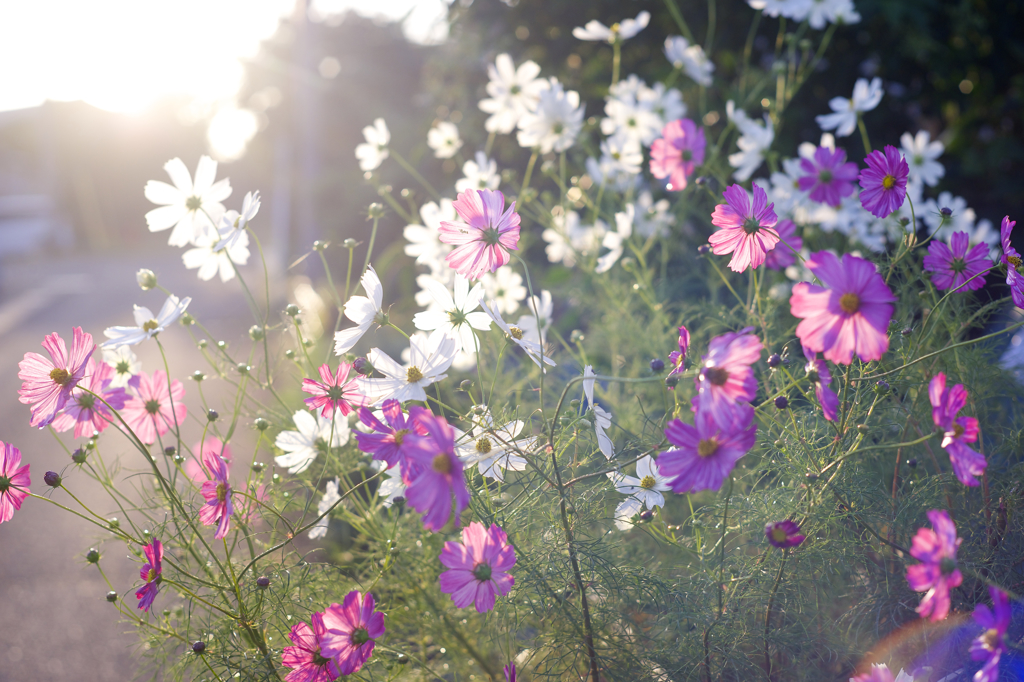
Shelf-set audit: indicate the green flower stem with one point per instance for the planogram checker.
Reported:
(191, 594)
(616, 59)
(373, 238)
(673, 9)
(864, 134)
(415, 173)
(527, 175)
(104, 525)
(768, 615)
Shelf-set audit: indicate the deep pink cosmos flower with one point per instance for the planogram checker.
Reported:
(305, 657)
(955, 267)
(478, 567)
(217, 493)
(821, 378)
(153, 409)
(14, 481)
(878, 673)
(989, 646)
(746, 231)
(850, 314)
(391, 443)
(884, 181)
(726, 383)
(957, 430)
(1012, 260)
(86, 412)
(829, 176)
(677, 152)
(482, 242)
(211, 444)
(352, 628)
(437, 472)
(333, 393)
(510, 672)
(784, 534)
(707, 452)
(937, 572)
(677, 358)
(790, 243)
(150, 572)
(47, 384)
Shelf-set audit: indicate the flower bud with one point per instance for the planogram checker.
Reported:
(290, 354)
(912, 463)
(211, 415)
(350, 243)
(576, 336)
(291, 310)
(646, 515)
(811, 476)
(782, 402)
(402, 659)
(112, 522)
(243, 368)
(657, 365)
(187, 320)
(178, 459)
(319, 245)
(257, 466)
(261, 424)
(863, 428)
(146, 279)
(169, 451)
(465, 385)
(376, 210)
(256, 332)
(111, 596)
(946, 211)
(198, 375)
(198, 647)
(263, 582)
(703, 249)
(222, 345)
(93, 556)
(672, 380)
(362, 366)
(574, 403)
(774, 360)
(52, 479)
(907, 331)
(881, 386)
(407, 193)
(202, 343)
(78, 456)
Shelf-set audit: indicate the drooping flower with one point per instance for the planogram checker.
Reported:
(616, 240)
(478, 567)
(305, 656)
(706, 452)
(444, 139)
(151, 573)
(790, 243)
(483, 240)
(14, 481)
(454, 312)
(334, 392)
(439, 478)
(954, 267)
(828, 176)
(513, 92)
(535, 323)
(217, 493)
(188, 206)
(937, 572)
(849, 314)
(1012, 260)
(884, 181)
(153, 409)
(784, 534)
(373, 152)
(311, 437)
(845, 111)
(217, 252)
(726, 383)
(677, 152)
(391, 443)
(921, 154)
(88, 410)
(677, 358)
(330, 498)
(47, 384)
(643, 490)
(990, 645)
(690, 59)
(554, 122)
(125, 364)
(946, 403)
(233, 225)
(148, 326)
(518, 336)
(821, 379)
(429, 358)
(603, 422)
(746, 230)
(352, 628)
(755, 139)
(363, 310)
(622, 30)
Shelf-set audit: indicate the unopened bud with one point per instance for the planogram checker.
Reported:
(78, 456)
(946, 211)
(703, 250)
(211, 415)
(362, 366)
(912, 463)
(291, 310)
(375, 210)
(198, 647)
(657, 365)
(263, 582)
(782, 402)
(111, 596)
(256, 332)
(261, 424)
(907, 331)
(350, 243)
(576, 336)
(187, 320)
(257, 466)
(52, 479)
(319, 245)
(93, 556)
(774, 360)
(881, 386)
(672, 380)
(169, 451)
(465, 385)
(811, 476)
(863, 428)
(198, 375)
(243, 368)
(646, 515)
(146, 279)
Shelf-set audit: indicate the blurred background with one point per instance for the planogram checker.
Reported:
(95, 97)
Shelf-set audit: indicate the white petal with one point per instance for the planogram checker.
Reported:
(179, 175)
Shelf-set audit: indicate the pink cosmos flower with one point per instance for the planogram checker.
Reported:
(817, 372)
(726, 383)
(790, 243)
(392, 443)
(746, 231)
(334, 393)
(945, 404)
(211, 444)
(955, 267)
(351, 630)
(217, 493)
(784, 534)
(153, 409)
(14, 481)
(479, 567)
(677, 152)
(483, 241)
(850, 314)
(150, 572)
(884, 182)
(878, 673)
(437, 473)
(309, 664)
(85, 412)
(990, 645)
(47, 385)
(677, 358)
(707, 452)
(510, 672)
(829, 176)
(1012, 260)
(937, 572)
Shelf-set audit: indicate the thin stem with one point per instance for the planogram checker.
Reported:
(768, 615)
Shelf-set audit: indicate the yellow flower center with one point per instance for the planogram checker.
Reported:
(1015, 261)
(849, 303)
(888, 182)
(193, 203)
(483, 446)
(990, 639)
(150, 325)
(779, 535)
(647, 482)
(708, 447)
(413, 374)
(442, 464)
(958, 431)
(400, 435)
(60, 376)
(222, 492)
(516, 333)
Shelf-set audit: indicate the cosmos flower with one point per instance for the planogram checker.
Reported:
(884, 181)
(535, 323)
(518, 336)
(990, 645)
(391, 443)
(937, 572)
(334, 392)
(313, 432)
(234, 223)
(439, 480)
(453, 313)
(706, 452)
(305, 655)
(623, 30)
(373, 152)
(784, 534)
(424, 240)
(363, 310)
(330, 498)
(87, 410)
(351, 630)
(1012, 260)
(921, 153)
(643, 490)
(153, 409)
(217, 493)
(553, 124)
(726, 383)
(957, 431)
(881, 673)
(828, 176)
(821, 378)
(492, 448)
(148, 326)
(429, 358)
(790, 243)
(755, 139)
(217, 251)
(151, 573)
(189, 207)
(479, 173)
(677, 152)
(677, 358)
(504, 287)
(843, 118)
(444, 139)
(954, 267)
(513, 92)
(745, 230)
(125, 365)
(690, 59)
(478, 568)
(218, 448)
(482, 242)
(791, 9)
(47, 384)
(14, 481)
(615, 241)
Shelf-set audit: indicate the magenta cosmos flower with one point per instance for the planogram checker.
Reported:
(305, 657)
(937, 572)
(784, 253)
(884, 181)
(153, 409)
(878, 673)
(352, 628)
(829, 176)
(821, 378)
(150, 572)
(483, 241)
(87, 410)
(333, 393)
(393, 442)
(677, 152)
(14, 481)
(707, 452)
(784, 534)
(437, 473)
(510, 672)
(210, 444)
(957, 430)
(726, 383)
(746, 230)
(677, 358)
(954, 267)
(990, 645)
(850, 314)
(478, 567)
(47, 384)
(217, 493)
(1012, 260)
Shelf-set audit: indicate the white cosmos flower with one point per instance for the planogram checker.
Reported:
(616, 240)
(755, 139)
(330, 498)
(609, 174)
(125, 364)
(603, 421)
(429, 358)
(373, 152)
(391, 486)
(961, 220)
(492, 448)
(643, 490)
(540, 308)
(620, 154)
(796, 10)
(210, 257)
(843, 120)
(518, 336)
(504, 287)
(233, 223)
(512, 92)
(623, 30)
(444, 140)
(451, 312)
(302, 446)
(667, 103)
(554, 123)
(480, 174)
(148, 326)
(921, 154)
(630, 111)
(567, 239)
(424, 244)
(690, 59)
(832, 12)
(188, 206)
(588, 384)
(652, 217)
(785, 190)
(363, 310)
